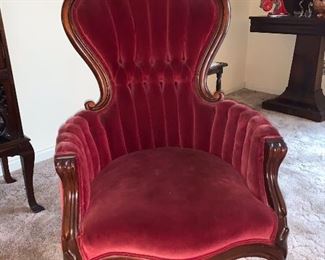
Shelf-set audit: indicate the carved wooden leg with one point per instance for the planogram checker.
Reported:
(5, 171)
(275, 150)
(66, 168)
(27, 162)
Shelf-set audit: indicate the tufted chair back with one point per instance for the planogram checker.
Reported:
(150, 58)
(159, 44)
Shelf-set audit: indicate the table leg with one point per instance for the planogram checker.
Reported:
(304, 97)
(5, 171)
(27, 162)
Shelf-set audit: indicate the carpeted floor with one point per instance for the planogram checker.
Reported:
(25, 236)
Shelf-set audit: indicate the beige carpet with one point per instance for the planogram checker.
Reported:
(24, 235)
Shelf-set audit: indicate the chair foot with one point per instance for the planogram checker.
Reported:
(5, 169)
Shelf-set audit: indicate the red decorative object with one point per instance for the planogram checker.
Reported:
(158, 168)
(319, 6)
(277, 5)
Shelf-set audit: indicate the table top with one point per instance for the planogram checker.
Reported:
(288, 25)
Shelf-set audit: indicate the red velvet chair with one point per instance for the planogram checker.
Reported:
(158, 168)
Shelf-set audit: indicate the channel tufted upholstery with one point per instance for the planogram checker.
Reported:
(155, 42)
(228, 130)
(151, 52)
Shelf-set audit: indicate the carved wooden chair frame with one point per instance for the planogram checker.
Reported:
(275, 151)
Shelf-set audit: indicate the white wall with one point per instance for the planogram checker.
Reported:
(269, 58)
(52, 81)
(234, 48)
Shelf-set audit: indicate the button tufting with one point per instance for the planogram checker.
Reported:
(121, 63)
(152, 62)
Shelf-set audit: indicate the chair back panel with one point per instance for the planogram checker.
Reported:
(153, 53)
(147, 41)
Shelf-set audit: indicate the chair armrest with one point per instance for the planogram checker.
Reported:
(83, 139)
(81, 152)
(275, 151)
(244, 136)
(256, 160)
(255, 149)
(66, 169)
(217, 69)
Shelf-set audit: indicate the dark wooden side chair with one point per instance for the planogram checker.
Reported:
(159, 167)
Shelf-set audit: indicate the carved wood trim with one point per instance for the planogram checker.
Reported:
(66, 168)
(253, 250)
(211, 51)
(275, 151)
(13, 127)
(88, 56)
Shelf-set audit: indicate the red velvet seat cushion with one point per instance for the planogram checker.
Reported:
(171, 203)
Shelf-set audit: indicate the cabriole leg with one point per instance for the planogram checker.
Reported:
(27, 158)
(5, 169)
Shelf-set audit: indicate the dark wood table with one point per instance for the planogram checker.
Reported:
(12, 139)
(303, 97)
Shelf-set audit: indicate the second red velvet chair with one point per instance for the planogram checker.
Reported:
(160, 168)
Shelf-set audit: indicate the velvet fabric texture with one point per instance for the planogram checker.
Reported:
(231, 131)
(147, 44)
(172, 203)
(236, 135)
(151, 51)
